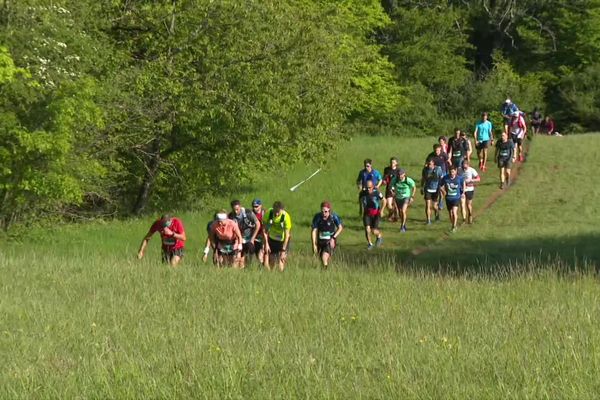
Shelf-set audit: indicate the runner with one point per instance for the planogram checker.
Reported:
(173, 239)
(430, 188)
(404, 188)
(470, 177)
(277, 225)
(207, 245)
(249, 227)
(226, 241)
(536, 121)
(439, 157)
(505, 153)
(483, 139)
(366, 174)
(372, 214)
(326, 228)
(388, 173)
(508, 109)
(442, 160)
(443, 141)
(259, 248)
(453, 187)
(458, 148)
(468, 144)
(518, 131)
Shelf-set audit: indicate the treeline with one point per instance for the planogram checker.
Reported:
(121, 107)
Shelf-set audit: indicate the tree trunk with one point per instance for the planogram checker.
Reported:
(149, 179)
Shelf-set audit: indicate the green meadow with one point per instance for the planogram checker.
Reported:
(508, 307)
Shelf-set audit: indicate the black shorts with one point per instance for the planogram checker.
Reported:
(483, 145)
(457, 162)
(226, 248)
(167, 255)
(431, 196)
(372, 221)
(276, 246)
(450, 203)
(248, 249)
(258, 246)
(362, 194)
(517, 140)
(402, 202)
(389, 193)
(324, 246)
(469, 194)
(505, 163)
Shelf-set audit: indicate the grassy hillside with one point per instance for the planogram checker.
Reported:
(506, 308)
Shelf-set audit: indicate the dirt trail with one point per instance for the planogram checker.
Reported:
(417, 251)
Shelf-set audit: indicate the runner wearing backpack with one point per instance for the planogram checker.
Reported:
(458, 148)
(249, 227)
(326, 228)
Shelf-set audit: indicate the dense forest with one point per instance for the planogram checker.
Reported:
(120, 107)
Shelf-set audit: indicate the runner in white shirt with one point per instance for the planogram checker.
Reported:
(470, 176)
(518, 130)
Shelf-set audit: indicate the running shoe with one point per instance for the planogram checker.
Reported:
(453, 230)
(403, 229)
(370, 246)
(470, 220)
(428, 222)
(379, 241)
(441, 205)
(437, 217)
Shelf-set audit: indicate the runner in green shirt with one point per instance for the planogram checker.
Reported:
(404, 189)
(277, 225)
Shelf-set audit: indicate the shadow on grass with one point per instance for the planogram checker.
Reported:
(485, 258)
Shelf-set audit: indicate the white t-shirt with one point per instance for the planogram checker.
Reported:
(468, 175)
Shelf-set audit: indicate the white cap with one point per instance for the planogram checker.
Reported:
(507, 101)
(221, 216)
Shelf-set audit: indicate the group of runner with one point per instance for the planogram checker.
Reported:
(237, 237)
(447, 178)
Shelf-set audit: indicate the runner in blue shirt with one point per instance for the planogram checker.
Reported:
(430, 188)
(483, 139)
(326, 227)
(508, 109)
(365, 175)
(453, 187)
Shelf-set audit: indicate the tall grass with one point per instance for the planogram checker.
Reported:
(498, 310)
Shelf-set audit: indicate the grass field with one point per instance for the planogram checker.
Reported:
(506, 308)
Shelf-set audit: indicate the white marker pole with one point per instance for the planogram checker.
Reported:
(293, 188)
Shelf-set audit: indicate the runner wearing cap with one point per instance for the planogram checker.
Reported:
(470, 177)
(372, 214)
(364, 175)
(453, 187)
(173, 239)
(404, 188)
(226, 241)
(249, 227)
(259, 212)
(518, 131)
(508, 109)
(326, 227)
(430, 189)
(483, 139)
(277, 225)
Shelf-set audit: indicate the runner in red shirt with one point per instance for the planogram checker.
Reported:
(172, 236)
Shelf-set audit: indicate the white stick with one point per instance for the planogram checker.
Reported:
(293, 188)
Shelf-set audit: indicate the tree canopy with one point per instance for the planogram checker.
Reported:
(125, 107)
